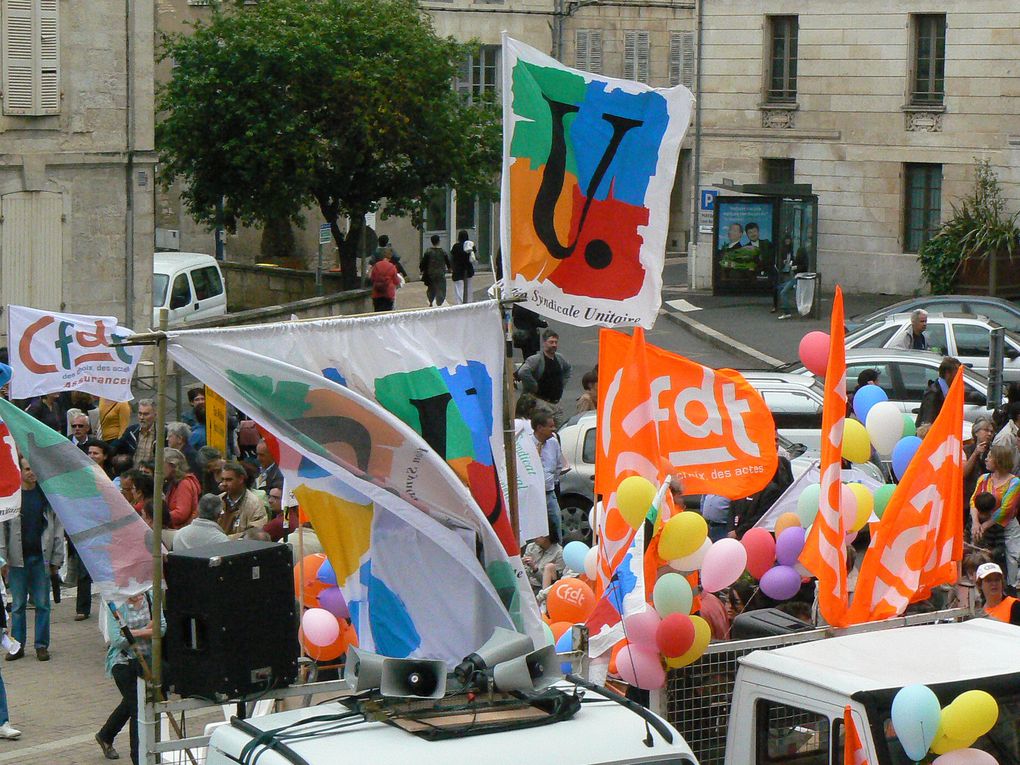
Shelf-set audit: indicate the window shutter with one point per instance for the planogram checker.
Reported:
(687, 59)
(595, 52)
(581, 49)
(19, 57)
(629, 55)
(674, 58)
(643, 56)
(49, 58)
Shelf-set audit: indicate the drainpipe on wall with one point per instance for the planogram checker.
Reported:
(558, 14)
(695, 207)
(129, 147)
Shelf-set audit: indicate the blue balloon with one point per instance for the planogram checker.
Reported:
(574, 554)
(5, 375)
(565, 645)
(865, 398)
(916, 715)
(902, 453)
(326, 573)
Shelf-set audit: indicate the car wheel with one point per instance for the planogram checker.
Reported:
(574, 511)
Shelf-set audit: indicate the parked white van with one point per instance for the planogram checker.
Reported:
(189, 285)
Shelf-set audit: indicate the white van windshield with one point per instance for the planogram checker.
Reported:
(159, 282)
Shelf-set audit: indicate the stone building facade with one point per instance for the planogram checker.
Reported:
(881, 105)
(76, 157)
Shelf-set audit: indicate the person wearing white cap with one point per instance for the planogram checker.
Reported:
(998, 604)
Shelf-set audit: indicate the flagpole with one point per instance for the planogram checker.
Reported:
(509, 434)
(157, 508)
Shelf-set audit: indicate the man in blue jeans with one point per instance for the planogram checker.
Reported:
(31, 547)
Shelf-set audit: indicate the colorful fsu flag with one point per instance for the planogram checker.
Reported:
(112, 540)
(338, 435)
(588, 169)
(919, 540)
(67, 351)
(824, 552)
(10, 476)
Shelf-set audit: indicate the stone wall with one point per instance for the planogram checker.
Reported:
(263, 286)
(337, 304)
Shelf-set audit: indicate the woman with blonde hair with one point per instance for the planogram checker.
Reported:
(1004, 487)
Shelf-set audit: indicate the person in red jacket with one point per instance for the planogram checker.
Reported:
(181, 487)
(385, 280)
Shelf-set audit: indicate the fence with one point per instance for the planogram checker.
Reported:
(697, 698)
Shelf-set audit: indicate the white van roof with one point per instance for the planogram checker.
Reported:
(893, 658)
(171, 262)
(602, 731)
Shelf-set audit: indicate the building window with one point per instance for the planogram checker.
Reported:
(636, 55)
(588, 50)
(479, 74)
(31, 57)
(777, 170)
(929, 81)
(681, 59)
(782, 87)
(923, 204)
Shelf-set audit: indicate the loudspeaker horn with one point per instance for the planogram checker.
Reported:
(503, 645)
(413, 678)
(539, 669)
(363, 669)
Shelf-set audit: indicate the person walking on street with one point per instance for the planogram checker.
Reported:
(435, 262)
(380, 251)
(544, 427)
(32, 552)
(462, 260)
(385, 281)
(526, 326)
(7, 731)
(546, 373)
(913, 338)
(935, 396)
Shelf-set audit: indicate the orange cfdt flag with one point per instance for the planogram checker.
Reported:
(853, 747)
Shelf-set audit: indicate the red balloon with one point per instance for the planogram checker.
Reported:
(814, 352)
(675, 635)
(309, 566)
(334, 650)
(761, 551)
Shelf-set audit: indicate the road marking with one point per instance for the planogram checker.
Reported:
(682, 305)
(50, 746)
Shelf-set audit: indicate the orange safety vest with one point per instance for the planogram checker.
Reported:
(1001, 611)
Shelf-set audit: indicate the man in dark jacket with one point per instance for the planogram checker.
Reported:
(935, 396)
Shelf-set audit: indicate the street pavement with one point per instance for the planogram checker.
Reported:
(61, 704)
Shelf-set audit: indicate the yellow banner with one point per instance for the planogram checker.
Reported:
(215, 420)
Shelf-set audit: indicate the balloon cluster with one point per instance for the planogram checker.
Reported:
(921, 724)
(325, 632)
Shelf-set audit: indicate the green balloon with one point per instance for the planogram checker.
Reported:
(807, 504)
(882, 496)
(672, 595)
(909, 429)
(550, 639)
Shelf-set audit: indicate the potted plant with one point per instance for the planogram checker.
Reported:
(973, 252)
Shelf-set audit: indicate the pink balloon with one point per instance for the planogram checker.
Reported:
(966, 757)
(761, 551)
(320, 627)
(789, 544)
(724, 563)
(640, 667)
(640, 629)
(848, 506)
(332, 599)
(781, 582)
(814, 352)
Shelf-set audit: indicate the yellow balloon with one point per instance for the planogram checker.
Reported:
(682, 535)
(856, 442)
(943, 744)
(865, 505)
(971, 715)
(786, 521)
(702, 637)
(634, 497)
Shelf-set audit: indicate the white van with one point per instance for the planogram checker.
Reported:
(189, 285)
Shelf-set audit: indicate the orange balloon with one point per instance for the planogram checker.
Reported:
(785, 521)
(334, 650)
(309, 565)
(558, 628)
(570, 600)
(612, 656)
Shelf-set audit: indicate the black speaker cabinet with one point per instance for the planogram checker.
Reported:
(765, 622)
(231, 619)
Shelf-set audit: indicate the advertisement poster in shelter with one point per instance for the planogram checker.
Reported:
(744, 244)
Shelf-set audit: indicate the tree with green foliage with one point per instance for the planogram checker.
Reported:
(335, 104)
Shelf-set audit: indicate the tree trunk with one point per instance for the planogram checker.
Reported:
(350, 248)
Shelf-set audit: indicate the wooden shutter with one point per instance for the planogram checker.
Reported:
(588, 50)
(581, 49)
(49, 58)
(31, 249)
(681, 59)
(636, 56)
(31, 57)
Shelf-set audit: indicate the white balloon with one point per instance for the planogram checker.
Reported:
(885, 426)
(693, 561)
(590, 562)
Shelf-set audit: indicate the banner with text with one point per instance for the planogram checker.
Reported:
(588, 170)
(54, 352)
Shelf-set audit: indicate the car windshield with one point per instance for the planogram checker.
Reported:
(1002, 741)
(159, 283)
